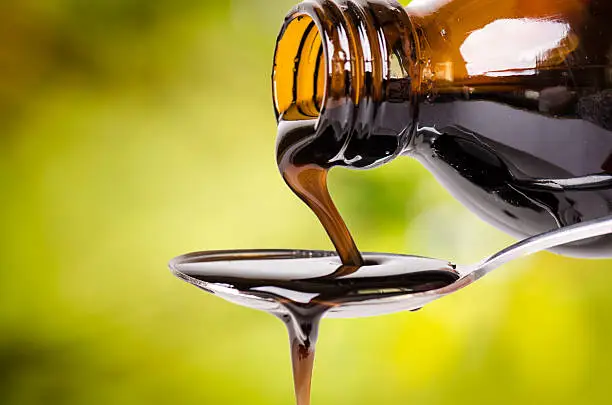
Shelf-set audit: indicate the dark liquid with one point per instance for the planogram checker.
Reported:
(309, 182)
(302, 287)
(528, 147)
(521, 170)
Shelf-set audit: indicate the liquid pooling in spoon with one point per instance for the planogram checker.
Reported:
(301, 287)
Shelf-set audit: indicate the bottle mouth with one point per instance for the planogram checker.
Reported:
(300, 70)
(318, 63)
(346, 66)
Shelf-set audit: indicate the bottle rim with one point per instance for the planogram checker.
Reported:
(361, 64)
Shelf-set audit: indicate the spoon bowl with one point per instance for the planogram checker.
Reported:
(285, 281)
(274, 281)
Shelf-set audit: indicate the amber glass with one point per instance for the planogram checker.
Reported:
(303, 83)
(344, 64)
(508, 103)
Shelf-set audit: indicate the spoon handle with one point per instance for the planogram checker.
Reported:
(557, 237)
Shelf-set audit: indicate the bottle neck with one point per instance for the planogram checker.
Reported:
(350, 66)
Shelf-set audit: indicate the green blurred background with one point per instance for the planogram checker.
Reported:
(133, 131)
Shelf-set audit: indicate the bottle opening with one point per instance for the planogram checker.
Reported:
(344, 66)
(300, 72)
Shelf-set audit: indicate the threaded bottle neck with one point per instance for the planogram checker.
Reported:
(349, 65)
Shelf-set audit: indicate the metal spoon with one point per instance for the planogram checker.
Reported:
(303, 279)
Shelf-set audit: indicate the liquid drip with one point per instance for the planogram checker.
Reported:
(301, 287)
(302, 358)
(302, 326)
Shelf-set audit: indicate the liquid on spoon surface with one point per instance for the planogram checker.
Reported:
(301, 287)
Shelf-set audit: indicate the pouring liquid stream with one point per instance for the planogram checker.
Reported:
(309, 183)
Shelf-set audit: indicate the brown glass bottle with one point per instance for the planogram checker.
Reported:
(508, 103)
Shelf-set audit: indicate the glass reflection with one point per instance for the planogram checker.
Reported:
(512, 46)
